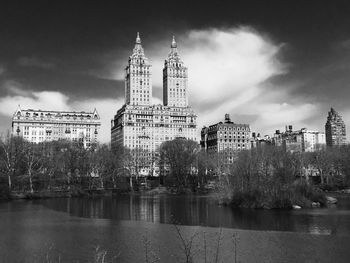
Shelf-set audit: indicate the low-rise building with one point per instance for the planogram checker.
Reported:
(302, 140)
(258, 141)
(226, 137)
(43, 125)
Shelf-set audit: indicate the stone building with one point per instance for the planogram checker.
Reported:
(225, 137)
(335, 129)
(41, 125)
(302, 140)
(257, 141)
(142, 126)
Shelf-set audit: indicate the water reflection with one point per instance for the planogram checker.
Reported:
(196, 210)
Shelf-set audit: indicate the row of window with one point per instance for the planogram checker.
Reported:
(234, 128)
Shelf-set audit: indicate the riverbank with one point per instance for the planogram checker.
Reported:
(78, 192)
(241, 201)
(295, 196)
(75, 192)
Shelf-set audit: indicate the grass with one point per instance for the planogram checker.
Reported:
(188, 252)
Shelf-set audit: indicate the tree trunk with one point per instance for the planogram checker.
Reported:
(101, 181)
(130, 182)
(114, 183)
(30, 182)
(68, 180)
(322, 178)
(49, 184)
(9, 182)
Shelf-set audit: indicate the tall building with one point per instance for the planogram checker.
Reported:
(225, 137)
(174, 80)
(302, 140)
(40, 125)
(142, 126)
(335, 129)
(138, 80)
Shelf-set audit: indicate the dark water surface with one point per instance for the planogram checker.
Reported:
(204, 211)
(69, 230)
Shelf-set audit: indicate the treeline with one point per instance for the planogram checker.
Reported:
(261, 177)
(68, 165)
(269, 177)
(59, 165)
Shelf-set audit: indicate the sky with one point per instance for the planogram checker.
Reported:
(266, 63)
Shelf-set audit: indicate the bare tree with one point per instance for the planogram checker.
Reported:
(11, 148)
(323, 161)
(32, 154)
(99, 159)
(181, 156)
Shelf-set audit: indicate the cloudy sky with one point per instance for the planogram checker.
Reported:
(267, 63)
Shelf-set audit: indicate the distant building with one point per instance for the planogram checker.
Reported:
(299, 141)
(41, 125)
(142, 126)
(226, 137)
(256, 141)
(335, 129)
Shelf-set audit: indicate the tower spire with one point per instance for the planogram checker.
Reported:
(173, 43)
(138, 50)
(138, 39)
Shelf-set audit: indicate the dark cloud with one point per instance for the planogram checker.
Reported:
(79, 47)
(80, 86)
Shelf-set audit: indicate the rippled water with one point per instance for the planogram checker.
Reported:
(72, 228)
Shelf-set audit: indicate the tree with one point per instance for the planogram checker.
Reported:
(323, 161)
(117, 160)
(52, 161)
(205, 167)
(32, 154)
(181, 156)
(11, 149)
(99, 159)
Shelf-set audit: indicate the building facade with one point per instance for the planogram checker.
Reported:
(140, 125)
(225, 137)
(335, 129)
(175, 80)
(138, 77)
(257, 141)
(39, 125)
(302, 140)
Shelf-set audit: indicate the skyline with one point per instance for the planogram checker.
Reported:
(284, 64)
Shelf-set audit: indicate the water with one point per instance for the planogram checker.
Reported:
(204, 211)
(31, 231)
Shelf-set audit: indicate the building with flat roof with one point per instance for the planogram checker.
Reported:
(225, 137)
(302, 140)
(43, 125)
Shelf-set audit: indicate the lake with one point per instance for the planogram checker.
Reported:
(129, 227)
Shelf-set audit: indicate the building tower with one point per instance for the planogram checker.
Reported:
(335, 129)
(138, 81)
(174, 79)
(142, 126)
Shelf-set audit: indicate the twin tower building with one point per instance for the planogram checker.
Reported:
(139, 124)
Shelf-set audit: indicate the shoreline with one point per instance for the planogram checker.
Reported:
(77, 192)
(98, 193)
